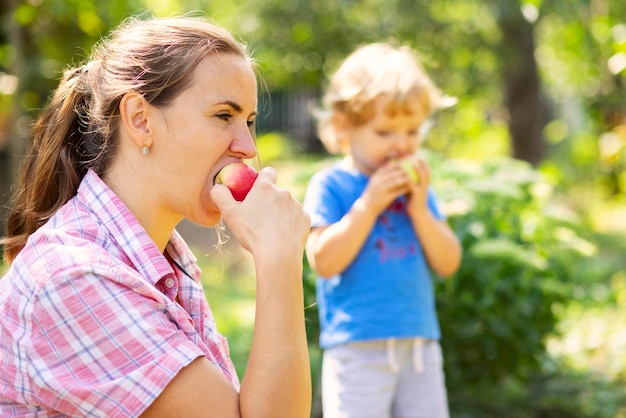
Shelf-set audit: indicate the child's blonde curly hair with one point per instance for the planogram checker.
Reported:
(369, 72)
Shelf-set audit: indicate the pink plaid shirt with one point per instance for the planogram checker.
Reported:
(91, 325)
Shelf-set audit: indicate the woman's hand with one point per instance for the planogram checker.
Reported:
(272, 225)
(268, 219)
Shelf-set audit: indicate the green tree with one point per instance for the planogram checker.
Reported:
(38, 40)
(515, 65)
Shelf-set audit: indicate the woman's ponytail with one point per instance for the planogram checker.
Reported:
(51, 171)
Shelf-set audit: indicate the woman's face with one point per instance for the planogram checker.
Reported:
(208, 126)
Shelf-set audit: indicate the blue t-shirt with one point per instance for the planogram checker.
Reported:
(387, 291)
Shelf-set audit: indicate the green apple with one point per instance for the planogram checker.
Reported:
(407, 165)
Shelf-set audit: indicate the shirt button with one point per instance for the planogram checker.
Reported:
(169, 282)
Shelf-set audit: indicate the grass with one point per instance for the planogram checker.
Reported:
(229, 283)
(592, 340)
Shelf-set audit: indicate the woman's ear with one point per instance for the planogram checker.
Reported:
(135, 117)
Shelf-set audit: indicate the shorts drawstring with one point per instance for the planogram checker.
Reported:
(418, 355)
(392, 359)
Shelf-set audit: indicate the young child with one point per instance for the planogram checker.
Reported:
(377, 233)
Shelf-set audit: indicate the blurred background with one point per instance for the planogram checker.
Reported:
(530, 160)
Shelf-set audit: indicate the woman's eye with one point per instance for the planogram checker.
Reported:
(251, 123)
(224, 116)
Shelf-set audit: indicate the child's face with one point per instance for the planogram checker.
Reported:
(385, 136)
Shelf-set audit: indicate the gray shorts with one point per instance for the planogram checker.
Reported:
(400, 378)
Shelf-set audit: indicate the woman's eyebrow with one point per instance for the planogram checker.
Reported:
(236, 107)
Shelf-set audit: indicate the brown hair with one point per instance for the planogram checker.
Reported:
(367, 73)
(78, 129)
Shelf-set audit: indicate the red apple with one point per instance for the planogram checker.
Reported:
(238, 177)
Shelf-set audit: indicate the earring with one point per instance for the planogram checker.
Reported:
(145, 150)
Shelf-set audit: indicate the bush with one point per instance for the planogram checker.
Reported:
(563, 393)
(524, 259)
(521, 255)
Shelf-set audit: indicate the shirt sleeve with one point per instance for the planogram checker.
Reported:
(321, 201)
(433, 205)
(103, 344)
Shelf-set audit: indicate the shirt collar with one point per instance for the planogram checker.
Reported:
(131, 238)
(179, 251)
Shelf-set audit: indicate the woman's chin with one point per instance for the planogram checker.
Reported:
(207, 218)
(212, 220)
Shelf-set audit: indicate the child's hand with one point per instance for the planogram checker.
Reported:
(385, 185)
(418, 191)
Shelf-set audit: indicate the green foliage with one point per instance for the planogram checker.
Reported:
(229, 284)
(273, 146)
(580, 49)
(521, 259)
(312, 330)
(526, 258)
(558, 394)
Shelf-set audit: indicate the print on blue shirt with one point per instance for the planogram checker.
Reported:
(389, 247)
(387, 291)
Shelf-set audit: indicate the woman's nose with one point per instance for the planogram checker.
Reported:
(244, 143)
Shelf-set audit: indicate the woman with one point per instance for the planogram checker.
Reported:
(103, 310)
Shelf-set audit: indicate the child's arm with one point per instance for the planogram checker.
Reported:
(331, 249)
(441, 246)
